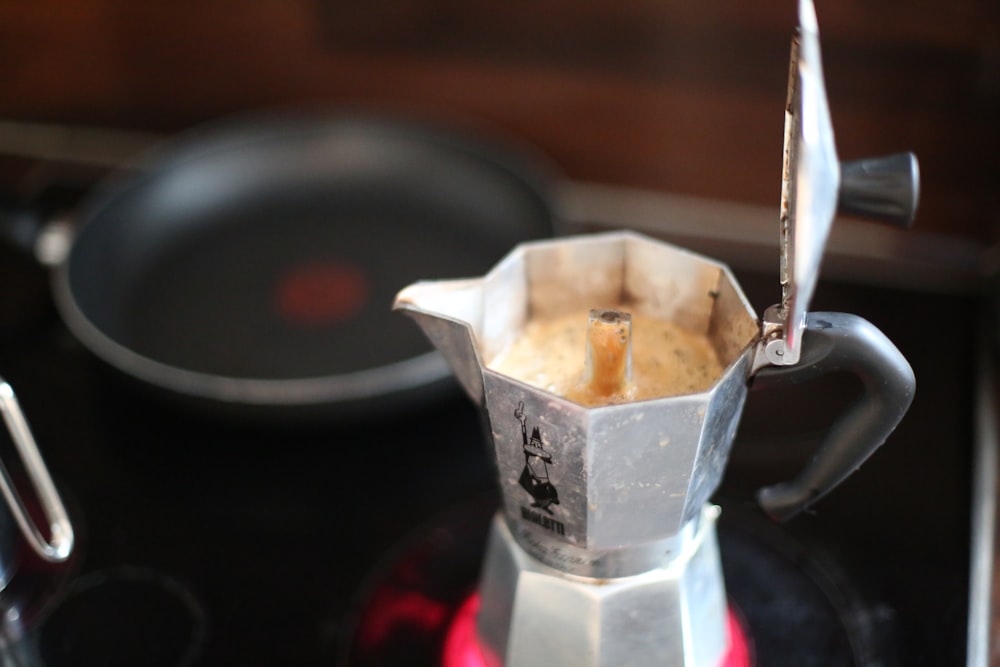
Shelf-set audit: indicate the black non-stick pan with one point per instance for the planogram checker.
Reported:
(250, 269)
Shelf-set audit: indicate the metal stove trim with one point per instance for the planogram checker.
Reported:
(982, 615)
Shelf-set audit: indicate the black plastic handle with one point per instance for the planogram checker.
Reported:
(884, 189)
(842, 342)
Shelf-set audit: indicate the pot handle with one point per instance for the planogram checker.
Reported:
(58, 547)
(841, 342)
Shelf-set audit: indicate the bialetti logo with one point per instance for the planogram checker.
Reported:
(545, 522)
(535, 478)
(535, 475)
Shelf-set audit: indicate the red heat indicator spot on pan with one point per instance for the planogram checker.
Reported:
(320, 294)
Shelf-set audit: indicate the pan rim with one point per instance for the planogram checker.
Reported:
(376, 382)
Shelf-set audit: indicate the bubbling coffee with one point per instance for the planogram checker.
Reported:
(610, 356)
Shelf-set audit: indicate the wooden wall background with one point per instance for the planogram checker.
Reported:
(678, 96)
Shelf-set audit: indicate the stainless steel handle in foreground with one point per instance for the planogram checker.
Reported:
(842, 342)
(59, 545)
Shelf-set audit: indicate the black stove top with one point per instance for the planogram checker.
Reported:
(220, 544)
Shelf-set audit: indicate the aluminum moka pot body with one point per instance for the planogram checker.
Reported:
(603, 495)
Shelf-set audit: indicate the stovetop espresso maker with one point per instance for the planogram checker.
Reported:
(604, 552)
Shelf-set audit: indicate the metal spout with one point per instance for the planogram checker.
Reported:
(446, 312)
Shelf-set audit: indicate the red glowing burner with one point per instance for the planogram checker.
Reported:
(738, 653)
(462, 650)
(460, 646)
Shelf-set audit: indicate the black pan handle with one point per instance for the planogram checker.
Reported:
(46, 238)
(20, 224)
(841, 342)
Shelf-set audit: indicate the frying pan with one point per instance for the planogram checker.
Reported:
(249, 269)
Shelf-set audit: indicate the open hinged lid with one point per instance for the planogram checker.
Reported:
(816, 186)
